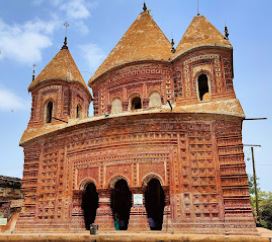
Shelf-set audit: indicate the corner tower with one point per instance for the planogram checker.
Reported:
(59, 93)
(203, 71)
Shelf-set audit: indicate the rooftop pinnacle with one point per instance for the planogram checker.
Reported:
(144, 7)
(64, 44)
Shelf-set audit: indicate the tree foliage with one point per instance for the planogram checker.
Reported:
(265, 204)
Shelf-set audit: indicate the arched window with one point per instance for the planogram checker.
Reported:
(78, 111)
(203, 87)
(136, 103)
(116, 106)
(49, 112)
(154, 100)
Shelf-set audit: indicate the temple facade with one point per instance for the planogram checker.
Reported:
(163, 150)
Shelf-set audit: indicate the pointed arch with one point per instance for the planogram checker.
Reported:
(151, 176)
(115, 179)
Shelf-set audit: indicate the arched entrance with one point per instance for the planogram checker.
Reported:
(154, 203)
(121, 203)
(89, 204)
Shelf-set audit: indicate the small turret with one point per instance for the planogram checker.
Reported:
(59, 92)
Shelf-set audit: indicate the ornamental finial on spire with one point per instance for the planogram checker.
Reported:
(173, 49)
(66, 25)
(198, 13)
(226, 32)
(145, 7)
(33, 72)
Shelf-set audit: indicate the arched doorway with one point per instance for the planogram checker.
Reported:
(121, 203)
(89, 204)
(154, 203)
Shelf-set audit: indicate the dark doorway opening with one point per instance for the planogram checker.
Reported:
(136, 103)
(154, 204)
(78, 111)
(121, 203)
(49, 112)
(203, 86)
(89, 204)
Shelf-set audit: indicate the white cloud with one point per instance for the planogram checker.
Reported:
(76, 12)
(9, 101)
(24, 42)
(75, 9)
(92, 54)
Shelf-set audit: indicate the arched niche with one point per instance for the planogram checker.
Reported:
(154, 100)
(116, 106)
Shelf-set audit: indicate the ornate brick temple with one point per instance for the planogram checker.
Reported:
(162, 151)
(11, 201)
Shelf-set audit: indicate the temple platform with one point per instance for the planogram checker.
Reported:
(264, 236)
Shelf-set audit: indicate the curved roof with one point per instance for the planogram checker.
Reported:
(201, 33)
(61, 67)
(144, 40)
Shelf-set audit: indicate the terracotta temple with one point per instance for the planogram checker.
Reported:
(163, 149)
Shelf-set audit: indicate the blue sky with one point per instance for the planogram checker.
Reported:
(32, 31)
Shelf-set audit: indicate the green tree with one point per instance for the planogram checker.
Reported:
(265, 204)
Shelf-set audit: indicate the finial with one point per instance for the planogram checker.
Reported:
(33, 72)
(198, 13)
(145, 7)
(173, 50)
(226, 32)
(66, 25)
